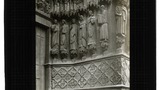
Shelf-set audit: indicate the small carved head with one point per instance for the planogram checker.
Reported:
(81, 17)
(63, 21)
(73, 20)
(90, 13)
(123, 2)
(55, 21)
(102, 6)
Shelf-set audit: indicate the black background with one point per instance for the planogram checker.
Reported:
(20, 44)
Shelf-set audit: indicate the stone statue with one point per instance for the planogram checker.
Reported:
(55, 38)
(47, 6)
(71, 5)
(91, 32)
(79, 4)
(102, 21)
(40, 5)
(75, 5)
(64, 40)
(66, 4)
(57, 7)
(82, 36)
(44, 5)
(73, 39)
(121, 19)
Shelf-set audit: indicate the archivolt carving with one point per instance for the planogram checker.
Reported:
(44, 5)
(67, 6)
(55, 38)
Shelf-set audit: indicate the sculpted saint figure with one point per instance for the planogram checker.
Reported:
(121, 18)
(57, 7)
(102, 21)
(82, 36)
(55, 38)
(66, 4)
(91, 32)
(73, 39)
(64, 40)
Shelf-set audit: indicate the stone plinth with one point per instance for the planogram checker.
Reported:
(107, 73)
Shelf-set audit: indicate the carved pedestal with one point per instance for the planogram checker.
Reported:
(106, 73)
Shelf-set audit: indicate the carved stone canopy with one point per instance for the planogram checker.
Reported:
(123, 3)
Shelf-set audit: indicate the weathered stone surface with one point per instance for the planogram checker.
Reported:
(86, 47)
(110, 71)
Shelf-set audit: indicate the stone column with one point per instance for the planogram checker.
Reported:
(48, 61)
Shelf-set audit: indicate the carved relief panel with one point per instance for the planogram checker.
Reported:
(105, 72)
(78, 32)
(44, 5)
(83, 38)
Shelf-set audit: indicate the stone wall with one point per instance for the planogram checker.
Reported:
(103, 65)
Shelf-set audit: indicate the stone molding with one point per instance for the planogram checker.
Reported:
(88, 60)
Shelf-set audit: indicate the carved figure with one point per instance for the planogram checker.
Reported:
(47, 6)
(57, 6)
(121, 18)
(102, 20)
(44, 5)
(40, 5)
(55, 38)
(73, 39)
(64, 40)
(66, 4)
(71, 5)
(91, 32)
(79, 4)
(82, 36)
(75, 5)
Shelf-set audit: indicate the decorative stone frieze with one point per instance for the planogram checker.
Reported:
(100, 73)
